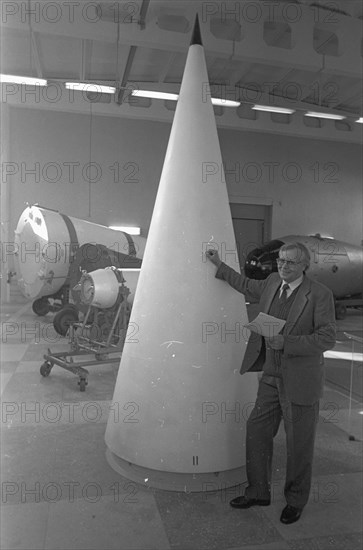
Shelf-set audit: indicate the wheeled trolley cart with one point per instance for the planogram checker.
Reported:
(65, 361)
(101, 334)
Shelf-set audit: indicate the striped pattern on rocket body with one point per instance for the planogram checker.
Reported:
(46, 240)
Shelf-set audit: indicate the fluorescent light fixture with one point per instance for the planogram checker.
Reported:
(174, 97)
(129, 230)
(321, 235)
(345, 355)
(324, 115)
(90, 87)
(155, 95)
(360, 120)
(14, 79)
(225, 102)
(270, 109)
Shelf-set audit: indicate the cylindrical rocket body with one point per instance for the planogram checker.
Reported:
(96, 257)
(180, 366)
(46, 241)
(100, 288)
(336, 264)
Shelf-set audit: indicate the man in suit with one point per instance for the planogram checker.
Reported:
(292, 378)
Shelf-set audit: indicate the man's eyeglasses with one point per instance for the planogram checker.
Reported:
(289, 263)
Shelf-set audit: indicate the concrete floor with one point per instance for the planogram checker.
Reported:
(59, 492)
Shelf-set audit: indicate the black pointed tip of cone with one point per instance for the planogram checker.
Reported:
(197, 37)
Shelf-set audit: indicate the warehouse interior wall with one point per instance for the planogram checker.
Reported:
(313, 186)
(107, 171)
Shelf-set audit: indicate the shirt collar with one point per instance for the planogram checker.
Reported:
(295, 283)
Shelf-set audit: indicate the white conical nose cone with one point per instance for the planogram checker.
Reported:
(179, 372)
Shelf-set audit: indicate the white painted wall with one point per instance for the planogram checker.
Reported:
(314, 186)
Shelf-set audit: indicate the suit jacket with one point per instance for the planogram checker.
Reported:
(309, 331)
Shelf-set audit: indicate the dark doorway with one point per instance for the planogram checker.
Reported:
(252, 227)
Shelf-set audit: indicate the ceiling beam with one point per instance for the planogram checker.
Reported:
(35, 55)
(124, 69)
(243, 94)
(252, 47)
(85, 61)
(157, 111)
(126, 73)
(143, 11)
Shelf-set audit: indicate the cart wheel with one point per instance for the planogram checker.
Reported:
(63, 319)
(46, 368)
(340, 311)
(41, 306)
(82, 384)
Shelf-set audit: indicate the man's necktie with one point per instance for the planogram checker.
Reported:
(283, 296)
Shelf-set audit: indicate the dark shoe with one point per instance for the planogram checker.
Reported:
(290, 514)
(245, 502)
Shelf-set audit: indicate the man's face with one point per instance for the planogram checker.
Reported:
(291, 264)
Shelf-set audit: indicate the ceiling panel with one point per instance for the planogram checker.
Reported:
(101, 61)
(16, 57)
(148, 64)
(313, 61)
(54, 50)
(176, 68)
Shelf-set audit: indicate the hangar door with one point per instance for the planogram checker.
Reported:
(252, 227)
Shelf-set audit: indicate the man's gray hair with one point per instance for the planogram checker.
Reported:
(302, 253)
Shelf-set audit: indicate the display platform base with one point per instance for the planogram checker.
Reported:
(174, 481)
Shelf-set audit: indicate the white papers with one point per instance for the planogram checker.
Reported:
(266, 325)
